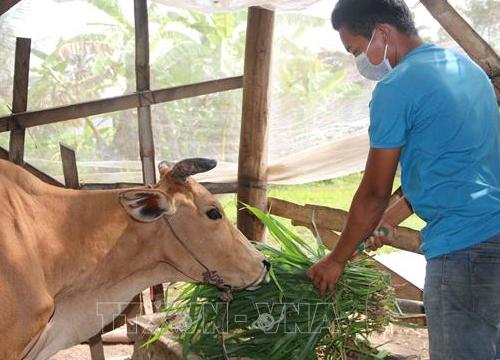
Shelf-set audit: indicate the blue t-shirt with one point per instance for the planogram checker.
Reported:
(439, 107)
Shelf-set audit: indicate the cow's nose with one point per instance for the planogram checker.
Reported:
(267, 264)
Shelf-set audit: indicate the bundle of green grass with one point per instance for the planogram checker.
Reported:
(285, 318)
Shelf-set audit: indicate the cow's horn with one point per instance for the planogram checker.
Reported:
(188, 167)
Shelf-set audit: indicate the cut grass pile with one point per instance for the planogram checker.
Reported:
(285, 318)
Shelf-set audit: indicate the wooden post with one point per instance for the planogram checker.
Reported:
(252, 162)
(70, 171)
(473, 44)
(146, 141)
(96, 347)
(5, 5)
(19, 99)
(142, 82)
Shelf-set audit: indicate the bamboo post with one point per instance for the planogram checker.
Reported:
(252, 162)
(19, 99)
(142, 83)
(146, 141)
(473, 44)
(70, 169)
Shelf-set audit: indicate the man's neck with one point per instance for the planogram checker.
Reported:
(407, 44)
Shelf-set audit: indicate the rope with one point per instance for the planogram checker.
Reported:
(221, 333)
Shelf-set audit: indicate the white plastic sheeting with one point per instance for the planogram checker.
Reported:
(232, 5)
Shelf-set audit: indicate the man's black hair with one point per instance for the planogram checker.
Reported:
(360, 16)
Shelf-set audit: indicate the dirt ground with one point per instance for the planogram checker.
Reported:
(82, 352)
(411, 344)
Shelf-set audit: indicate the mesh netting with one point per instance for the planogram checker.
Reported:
(84, 50)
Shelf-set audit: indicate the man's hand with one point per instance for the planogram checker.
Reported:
(379, 237)
(325, 274)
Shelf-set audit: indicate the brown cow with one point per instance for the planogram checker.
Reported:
(71, 260)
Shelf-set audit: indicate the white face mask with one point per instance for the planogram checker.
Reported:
(369, 70)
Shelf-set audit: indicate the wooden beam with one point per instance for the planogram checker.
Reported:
(19, 98)
(4, 154)
(70, 169)
(214, 188)
(473, 44)
(252, 161)
(5, 5)
(334, 219)
(323, 216)
(109, 186)
(118, 103)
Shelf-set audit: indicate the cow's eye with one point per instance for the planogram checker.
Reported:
(214, 214)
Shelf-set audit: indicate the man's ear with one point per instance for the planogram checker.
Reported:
(146, 205)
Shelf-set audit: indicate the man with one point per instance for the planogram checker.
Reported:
(435, 111)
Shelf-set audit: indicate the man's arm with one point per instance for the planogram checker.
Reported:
(396, 213)
(366, 211)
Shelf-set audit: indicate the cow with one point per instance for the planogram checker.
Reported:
(65, 254)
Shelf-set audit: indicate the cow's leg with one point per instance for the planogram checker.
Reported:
(23, 320)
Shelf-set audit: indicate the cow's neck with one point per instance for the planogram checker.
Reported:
(83, 228)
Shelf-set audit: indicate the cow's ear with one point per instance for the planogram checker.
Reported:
(146, 205)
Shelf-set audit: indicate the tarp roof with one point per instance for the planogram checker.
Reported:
(232, 5)
(212, 5)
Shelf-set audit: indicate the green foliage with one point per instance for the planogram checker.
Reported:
(285, 318)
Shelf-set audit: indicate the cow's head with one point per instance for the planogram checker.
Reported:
(193, 233)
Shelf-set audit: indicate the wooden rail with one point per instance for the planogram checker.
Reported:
(214, 188)
(123, 102)
(334, 220)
